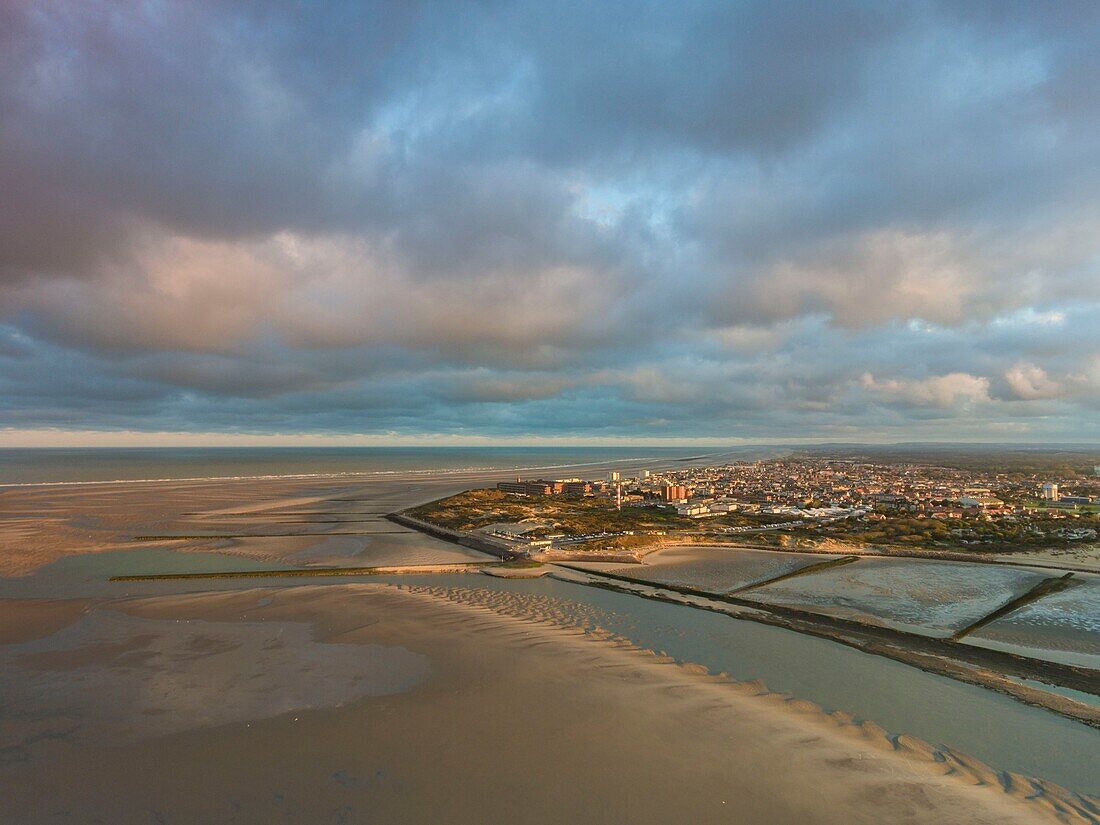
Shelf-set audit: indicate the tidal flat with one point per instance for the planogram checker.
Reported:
(931, 597)
(655, 741)
(1062, 627)
(329, 700)
(717, 570)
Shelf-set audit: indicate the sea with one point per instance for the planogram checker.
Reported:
(21, 466)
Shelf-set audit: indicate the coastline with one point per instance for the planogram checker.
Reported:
(990, 668)
(82, 524)
(995, 668)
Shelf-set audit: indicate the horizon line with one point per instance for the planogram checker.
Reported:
(11, 438)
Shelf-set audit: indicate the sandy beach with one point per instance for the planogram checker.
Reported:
(450, 679)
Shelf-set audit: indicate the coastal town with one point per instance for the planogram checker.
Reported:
(802, 501)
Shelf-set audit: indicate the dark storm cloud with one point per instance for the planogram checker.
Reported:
(698, 219)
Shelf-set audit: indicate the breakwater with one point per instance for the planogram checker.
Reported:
(408, 569)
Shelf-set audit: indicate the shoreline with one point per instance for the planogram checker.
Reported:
(942, 759)
(82, 522)
(354, 475)
(382, 570)
(986, 667)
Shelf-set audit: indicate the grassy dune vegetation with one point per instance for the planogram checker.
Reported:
(585, 516)
(571, 515)
(568, 515)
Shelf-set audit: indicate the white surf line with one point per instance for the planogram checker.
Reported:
(351, 475)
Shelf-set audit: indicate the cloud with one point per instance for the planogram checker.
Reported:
(936, 391)
(703, 219)
(1029, 382)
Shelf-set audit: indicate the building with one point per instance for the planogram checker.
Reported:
(527, 488)
(542, 487)
(614, 476)
(1050, 492)
(890, 501)
(644, 474)
(576, 487)
(723, 507)
(693, 510)
(981, 502)
(674, 492)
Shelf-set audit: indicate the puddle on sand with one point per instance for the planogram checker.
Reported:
(717, 570)
(70, 575)
(114, 677)
(1062, 627)
(929, 597)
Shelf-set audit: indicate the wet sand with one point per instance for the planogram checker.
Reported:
(927, 597)
(278, 520)
(1063, 627)
(22, 620)
(513, 719)
(716, 570)
(347, 701)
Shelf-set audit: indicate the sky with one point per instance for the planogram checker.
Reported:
(547, 222)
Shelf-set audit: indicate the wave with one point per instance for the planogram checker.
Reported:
(349, 475)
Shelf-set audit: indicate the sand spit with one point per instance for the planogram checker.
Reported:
(526, 717)
(312, 572)
(940, 760)
(516, 572)
(1083, 558)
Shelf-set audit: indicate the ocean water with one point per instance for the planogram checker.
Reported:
(54, 465)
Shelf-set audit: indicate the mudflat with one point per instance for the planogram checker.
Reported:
(414, 703)
(303, 522)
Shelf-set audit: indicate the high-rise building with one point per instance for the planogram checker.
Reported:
(644, 474)
(613, 475)
(1050, 492)
(675, 492)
